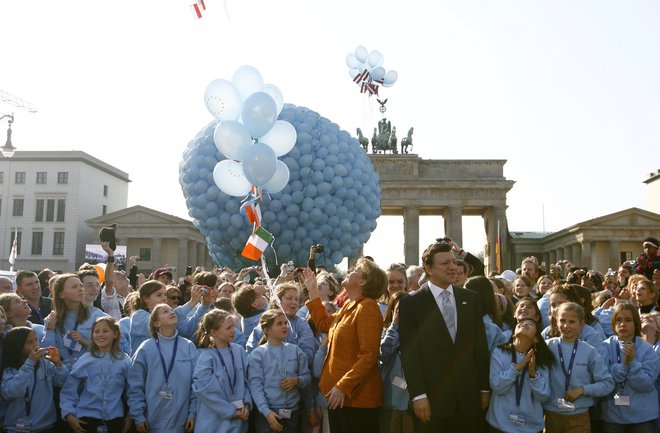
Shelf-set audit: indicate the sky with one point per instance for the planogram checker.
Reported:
(567, 92)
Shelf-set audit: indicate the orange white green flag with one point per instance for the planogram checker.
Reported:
(257, 244)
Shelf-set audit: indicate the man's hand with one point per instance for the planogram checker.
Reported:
(422, 408)
(485, 400)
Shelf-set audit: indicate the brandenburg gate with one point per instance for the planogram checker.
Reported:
(411, 186)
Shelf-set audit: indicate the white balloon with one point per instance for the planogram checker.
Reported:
(390, 78)
(361, 53)
(228, 176)
(230, 137)
(354, 73)
(281, 138)
(377, 73)
(247, 80)
(375, 59)
(223, 100)
(276, 94)
(279, 180)
(351, 60)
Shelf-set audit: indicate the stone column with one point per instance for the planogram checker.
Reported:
(411, 235)
(553, 258)
(586, 253)
(201, 258)
(567, 253)
(560, 254)
(453, 216)
(500, 216)
(156, 250)
(615, 255)
(182, 259)
(192, 254)
(577, 254)
(491, 236)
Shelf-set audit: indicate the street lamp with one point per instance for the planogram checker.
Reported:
(8, 149)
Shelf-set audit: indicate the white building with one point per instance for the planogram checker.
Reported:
(47, 196)
(653, 191)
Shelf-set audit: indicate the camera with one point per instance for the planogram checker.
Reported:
(319, 248)
(445, 239)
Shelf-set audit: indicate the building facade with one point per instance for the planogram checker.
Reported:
(45, 199)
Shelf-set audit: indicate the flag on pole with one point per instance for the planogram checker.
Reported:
(257, 244)
(498, 249)
(252, 210)
(14, 251)
(198, 8)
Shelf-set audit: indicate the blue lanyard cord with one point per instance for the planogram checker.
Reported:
(75, 328)
(618, 359)
(232, 378)
(567, 374)
(30, 395)
(520, 380)
(166, 370)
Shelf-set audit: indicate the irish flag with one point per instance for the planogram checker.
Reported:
(257, 243)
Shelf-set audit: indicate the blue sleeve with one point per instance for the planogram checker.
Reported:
(389, 344)
(247, 398)
(69, 396)
(602, 382)
(239, 337)
(192, 406)
(303, 369)
(256, 380)
(253, 339)
(14, 382)
(541, 385)
(306, 340)
(188, 323)
(208, 390)
(643, 371)
(59, 374)
(137, 379)
(319, 357)
(502, 374)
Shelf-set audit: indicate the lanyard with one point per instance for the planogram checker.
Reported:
(520, 380)
(567, 374)
(618, 359)
(75, 328)
(232, 378)
(30, 395)
(166, 370)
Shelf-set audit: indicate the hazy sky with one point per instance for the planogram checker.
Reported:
(566, 91)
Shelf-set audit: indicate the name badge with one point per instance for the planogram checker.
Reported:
(621, 400)
(284, 413)
(565, 406)
(71, 344)
(102, 429)
(517, 418)
(23, 425)
(166, 393)
(399, 382)
(238, 404)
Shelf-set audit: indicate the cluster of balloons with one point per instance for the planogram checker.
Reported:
(249, 134)
(371, 61)
(333, 197)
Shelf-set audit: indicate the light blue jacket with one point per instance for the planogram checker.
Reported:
(39, 330)
(95, 387)
(299, 334)
(544, 306)
(135, 329)
(268, 366)
(146, 378)
(494, 334)
(15, 384)
(589, 372)
(394, 398)
(56, 338)
(248, 324)
(212, 386)
(317, 367)
(503, 398)
(587, 335)
(604, 316)
(638, 380)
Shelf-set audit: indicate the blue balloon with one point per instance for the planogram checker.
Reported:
(259, 163)
(332, 198)
(259, 114)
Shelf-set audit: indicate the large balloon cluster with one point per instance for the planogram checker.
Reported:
(366, 69)
(332, 197)
(249, 134)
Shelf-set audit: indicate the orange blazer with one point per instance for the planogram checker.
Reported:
(353, 346)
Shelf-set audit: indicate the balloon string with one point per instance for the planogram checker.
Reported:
(273, 294)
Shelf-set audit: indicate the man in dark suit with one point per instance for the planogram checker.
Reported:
(444, 352)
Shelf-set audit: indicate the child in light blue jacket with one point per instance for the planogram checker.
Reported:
(277, 372)
(580, 375)
(220, 378)
(94, 392)
(29, 373)
(634, 366)
(160, 397)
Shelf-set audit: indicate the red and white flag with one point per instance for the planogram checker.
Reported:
(14, 251)
(198, 9)
(361, 77)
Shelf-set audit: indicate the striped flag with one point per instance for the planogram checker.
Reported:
(198, 8)
(361, 77)
(14, 251)
(252, 211)
(257, 244)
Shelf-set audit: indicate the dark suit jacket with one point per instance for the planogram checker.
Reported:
(450, 373)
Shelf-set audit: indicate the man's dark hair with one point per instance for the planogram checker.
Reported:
(433, 249)
(21, 275)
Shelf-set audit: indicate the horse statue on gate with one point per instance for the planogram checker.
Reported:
(407, 141)
(381, 142)
(364, 141)
(393, 140)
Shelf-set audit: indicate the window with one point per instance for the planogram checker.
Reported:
(104, 210)
(19, 177)
(61, 209)
(37, 242)
(62, 177)
(50, 209)
(58, 243)
(39, 214)
(145, 254)
(18, 207)
(105, 190)
(625, 256)
(41, 177)
(19, 236)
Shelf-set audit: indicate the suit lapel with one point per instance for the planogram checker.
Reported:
(462, 314)
(436, 320)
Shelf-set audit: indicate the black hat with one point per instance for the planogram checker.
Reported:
(107, 234)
